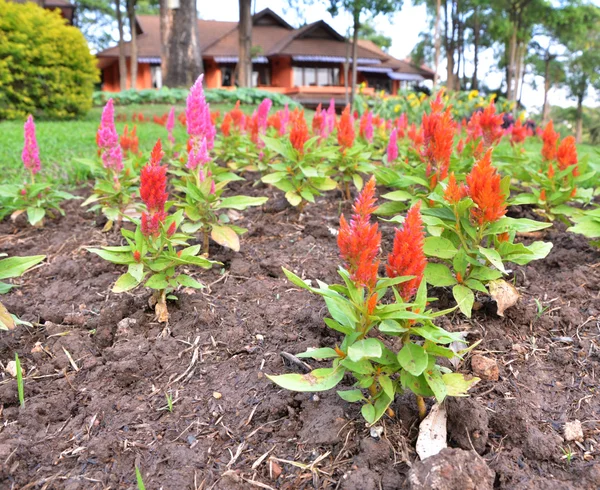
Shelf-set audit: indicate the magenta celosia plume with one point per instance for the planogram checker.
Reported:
(197, 113)
(108, 139)
(171, 125)
(31, 151)
(263, 113)
(198, 156)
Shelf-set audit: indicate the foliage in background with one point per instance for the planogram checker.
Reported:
(46, 67)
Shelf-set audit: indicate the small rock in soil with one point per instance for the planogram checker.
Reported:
(485, 368)
(573, 431)
(467, 423)
(451, 469)
(239, 267)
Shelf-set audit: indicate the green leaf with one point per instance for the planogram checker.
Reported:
(521, 225)
(157, 281)
(464, 299)
(392, 327)
(317, 380)
(436, 334)
(294, 279)
(416, 384)
(241, 202)
(413, 358)
(364, 349)
(494, 257)
(125, 283)
(439, 275)
(436, 383)
(589, 227)
(538, 250)
(137, 271)
(114, 257)
(274, 177)
(35, 215)
(293, 198)
(387, 385)
(398, 196)
(190, 227)
(225, 236)
(351, 395)
(322, 353)
(189, 282)
(368, 412)
(439, 247)
(457, 384)
(484, 274)
(358, 181)
(16, 266)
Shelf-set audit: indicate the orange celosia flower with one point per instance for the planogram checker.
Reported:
(346, 129)
(129, 141)
(438, 134)
(567, 153)
(274, 121)
(486, 125)
(299, 134)
(372, 303)
(518, 133)
(574, 192)
(551, 171)
(550, 138)
(214, 117)
(543, 195)
(407, 257)
(452, 193)
(503, 237)
(226, 124)
(416, 136)
(359, 240)
(318, 121)
(157, 154)
(484, 189)
(237, 115)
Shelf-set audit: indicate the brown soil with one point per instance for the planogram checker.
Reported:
(230, 427)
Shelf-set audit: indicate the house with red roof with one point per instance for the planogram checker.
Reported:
(306, 63)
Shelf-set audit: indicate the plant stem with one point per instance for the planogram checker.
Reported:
(205, 241)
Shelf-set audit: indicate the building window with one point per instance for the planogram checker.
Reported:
(298, 76)
(319, 77)
(226, 76)
(156, 75)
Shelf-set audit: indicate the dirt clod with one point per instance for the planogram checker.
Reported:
(485, 368)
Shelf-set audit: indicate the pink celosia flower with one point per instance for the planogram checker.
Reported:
(108, 139)
(171, 125)
(366, 126)
(331, 119)
(197, 113)
(31, 151)
(198, 156)
(392, 148)
(263, 113)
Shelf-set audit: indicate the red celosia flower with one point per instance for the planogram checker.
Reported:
(551, 171)
(486, 125)
(407, 257)
(372, 303)
(574, 192)
(129, 141)
(503, 237)
(460, 147)
(518, 133)
(484, 189)
(346, 129)
(318, 121)
(550, 138)
(157, 154)
(151, 223)
(137, 256)
(299, 134)
(226, 124)
(543, 195)
(359, 240)
(438, 134)
(171, 230)
(161, 120)
(416, 136)
(153, 191)
(274, 121)
(214, 117)
(567, 153)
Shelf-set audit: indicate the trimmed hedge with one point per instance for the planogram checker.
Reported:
(46, 68)
(251, 96)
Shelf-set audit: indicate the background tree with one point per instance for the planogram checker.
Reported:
(180, 39)
(369, 32)
(122, 60)
(133, 47)
(244, 66)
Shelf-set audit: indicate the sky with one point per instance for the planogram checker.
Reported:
(402, 27)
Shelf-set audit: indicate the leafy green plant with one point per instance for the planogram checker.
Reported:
(356, 310)
(169, 399)
(139, 479)
(472, 238)
(20, 388)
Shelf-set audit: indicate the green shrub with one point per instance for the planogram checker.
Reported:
(250, 96)
(46, 67)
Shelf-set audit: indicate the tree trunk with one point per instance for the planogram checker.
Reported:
(184, 56)
(474, 80)
(579, 119)
(133, 55)
(245, 44)
(517, 75)
(356, 27)
(122, 60)
(437, 43)
(166, 25)
(346, 69)
(512, 55)
(449, 44)
(546, 106)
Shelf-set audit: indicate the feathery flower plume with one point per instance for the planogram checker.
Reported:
(484, 189)
(567, 153)
(518, 133)
(346, 129)
(416, 136)
(129, 141)
(31, 151)
(318, 121)
(359, 240)
(486, 125)
(551, 171)
(392, 147)
(299, 134)
(198, 117)
(153, 191)
(550, 139)
(171, 125)
(226, 124)
(198, 156)
(238, 117)
(438, 139)
(274, 121)
(453, 193)
(108, 139)
(331, 119)
(263, 113)
(366, 126)
(407, 257)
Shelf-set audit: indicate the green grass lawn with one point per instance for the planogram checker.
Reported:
(63, 142)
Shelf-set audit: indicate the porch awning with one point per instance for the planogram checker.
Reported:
(405, 77)
(151, 61)
(373, 69)
(234, 59)
(335, 59)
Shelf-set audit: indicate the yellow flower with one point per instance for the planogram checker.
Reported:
(411, 96)
(473, 94)
(493, 96)
(422, 96)
(397, 108)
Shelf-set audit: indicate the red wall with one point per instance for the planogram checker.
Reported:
(281, 72)
(111, 81)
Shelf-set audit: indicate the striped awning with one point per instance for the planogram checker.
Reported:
(234, 59)
(405, 77)
(335, 59)
(373, 69)
(151, 61)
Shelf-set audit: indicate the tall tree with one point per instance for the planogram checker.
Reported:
(356, 8)
(244, 66)
(181, 55)
(369, 32)
(133, 47)
(122, 60)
